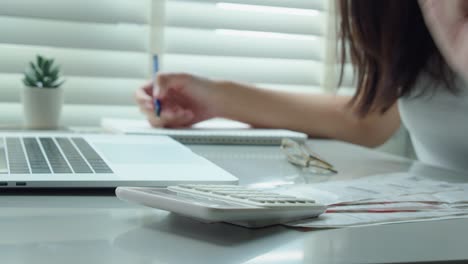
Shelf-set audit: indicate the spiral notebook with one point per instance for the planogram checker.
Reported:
(215, 131)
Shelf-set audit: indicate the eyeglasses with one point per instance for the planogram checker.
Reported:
(301, 155)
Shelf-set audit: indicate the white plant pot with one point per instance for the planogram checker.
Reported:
(42, 107)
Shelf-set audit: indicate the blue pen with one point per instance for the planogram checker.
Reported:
(157, 107)
(157, 102)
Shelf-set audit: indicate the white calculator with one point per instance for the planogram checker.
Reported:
(238, 205)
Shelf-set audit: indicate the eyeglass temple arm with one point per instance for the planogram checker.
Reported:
(314, 156)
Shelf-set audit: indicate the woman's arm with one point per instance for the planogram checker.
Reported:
(318, 115)
(187, 99)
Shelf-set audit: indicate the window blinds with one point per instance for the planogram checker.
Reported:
(276, 44)
(103, 47)
(272, 43)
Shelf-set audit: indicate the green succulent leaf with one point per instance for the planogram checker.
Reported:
(28, 81)
(40, 61)
(47, 64)
(58, 84)
(30, 73)
(43, 73)
(54, 72)
(37, 70)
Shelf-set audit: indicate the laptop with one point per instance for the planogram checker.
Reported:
(64, 160)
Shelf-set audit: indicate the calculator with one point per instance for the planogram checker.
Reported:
(249, 207)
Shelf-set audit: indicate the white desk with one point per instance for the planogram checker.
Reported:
(51, 228)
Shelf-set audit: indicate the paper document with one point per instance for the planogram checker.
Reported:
(368, 188)
(215, 131)
(383, 199)
(364, 219)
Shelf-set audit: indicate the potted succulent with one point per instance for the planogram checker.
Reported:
(42, 95)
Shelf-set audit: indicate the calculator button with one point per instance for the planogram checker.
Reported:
(264, 199)
(259, 201)
(242, 195)
(207, 190)
(225, 192)
(187, 186)
(286, 197)
(306, 201)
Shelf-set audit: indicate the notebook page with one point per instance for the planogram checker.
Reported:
(217, 131)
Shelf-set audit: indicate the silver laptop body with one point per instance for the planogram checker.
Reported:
(55, 160)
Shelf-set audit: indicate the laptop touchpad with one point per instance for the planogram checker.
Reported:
(145, 153)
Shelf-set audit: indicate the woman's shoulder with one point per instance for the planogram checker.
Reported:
(428, 86)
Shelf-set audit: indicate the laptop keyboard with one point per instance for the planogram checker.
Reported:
(16, 159)
(31, 155)
(77, 162)
(37, 161)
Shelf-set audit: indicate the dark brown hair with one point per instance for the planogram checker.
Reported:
(389, 46)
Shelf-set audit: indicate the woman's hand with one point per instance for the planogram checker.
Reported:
(447, 21)
(185, 100)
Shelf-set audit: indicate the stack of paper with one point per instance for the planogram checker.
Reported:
(383, 199)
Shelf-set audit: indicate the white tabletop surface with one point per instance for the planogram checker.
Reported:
(50, 227)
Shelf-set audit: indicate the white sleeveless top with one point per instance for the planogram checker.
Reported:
(438, 125)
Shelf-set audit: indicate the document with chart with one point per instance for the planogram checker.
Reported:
(383, 199)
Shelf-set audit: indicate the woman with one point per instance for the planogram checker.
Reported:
(411, 60)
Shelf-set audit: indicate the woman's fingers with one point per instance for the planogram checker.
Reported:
(175, 91)
(143, 94)
(176, 118)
